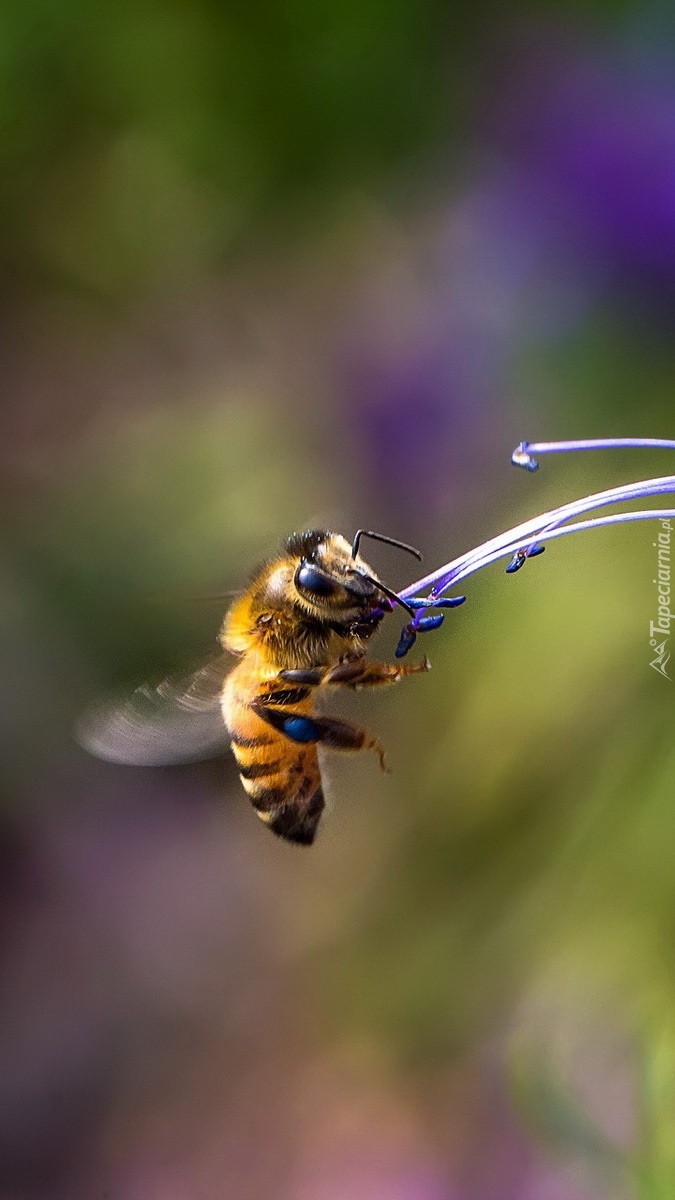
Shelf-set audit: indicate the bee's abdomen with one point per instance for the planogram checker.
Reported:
(260, 766)
(280, 776)
(283, 783)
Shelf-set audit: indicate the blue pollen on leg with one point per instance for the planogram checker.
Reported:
(301, 729)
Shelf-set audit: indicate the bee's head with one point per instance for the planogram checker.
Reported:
(327, 579)
(331, 579)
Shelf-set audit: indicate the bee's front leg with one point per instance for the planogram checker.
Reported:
(304, 676)
(354, 673)
(358, 673)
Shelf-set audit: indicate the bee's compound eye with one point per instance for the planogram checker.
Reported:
(311, 579)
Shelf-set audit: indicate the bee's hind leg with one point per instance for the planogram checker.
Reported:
(323, 731)
(342, 735)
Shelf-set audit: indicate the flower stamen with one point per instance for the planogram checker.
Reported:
(527, 539)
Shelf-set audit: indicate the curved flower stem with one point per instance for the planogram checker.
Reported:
(522, 457)
(523, 454)
(534, 529)
(470, 568)
(526, 539)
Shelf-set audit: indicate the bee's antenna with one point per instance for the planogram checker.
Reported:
(381, 537)
(388, 592)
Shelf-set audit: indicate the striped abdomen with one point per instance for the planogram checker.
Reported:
(281, 778)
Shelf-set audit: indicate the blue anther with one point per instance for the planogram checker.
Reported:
(516, 562)
(521, 457)
(431, 622)
(439, 602)
(406, 641)
(520, 557)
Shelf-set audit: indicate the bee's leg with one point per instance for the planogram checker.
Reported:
(309, 676)
(294, 726)
(354, 673)
(362, 672)
(342, 735)
(324, 731)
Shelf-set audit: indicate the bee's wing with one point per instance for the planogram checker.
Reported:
(178, 720)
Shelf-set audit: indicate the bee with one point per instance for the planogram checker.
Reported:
(302, 625)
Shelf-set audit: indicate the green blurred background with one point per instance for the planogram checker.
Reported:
(271, 266)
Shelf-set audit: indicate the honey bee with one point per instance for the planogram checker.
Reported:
(302, 625)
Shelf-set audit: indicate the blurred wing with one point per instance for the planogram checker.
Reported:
(177, 721)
